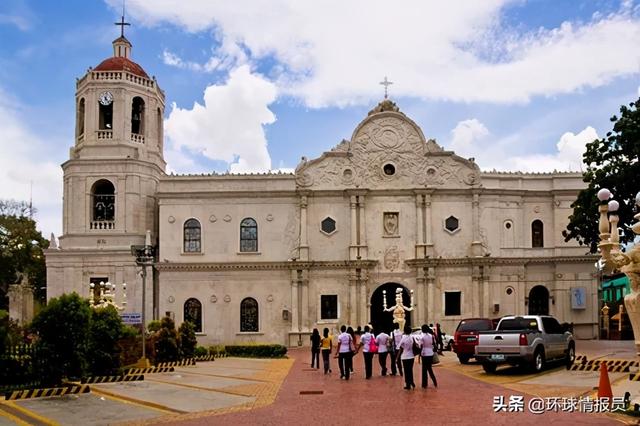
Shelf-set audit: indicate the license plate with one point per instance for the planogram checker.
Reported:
(470, 339)
(497, 357)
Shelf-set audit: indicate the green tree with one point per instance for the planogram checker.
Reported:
(167, 341)
(613, 162)
(62, 328)
(105, 331)
(21, 248)
(188, 339)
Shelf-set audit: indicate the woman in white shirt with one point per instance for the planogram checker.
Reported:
(406, 355)
(344, 353)
(383, 340)
(427, 356)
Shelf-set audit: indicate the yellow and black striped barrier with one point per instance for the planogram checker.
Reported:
(206, 358)
(581, 359)
(634, 377)
(181, 363)
(149, 370)
(44, 392)
(613, 365)
(113, 379)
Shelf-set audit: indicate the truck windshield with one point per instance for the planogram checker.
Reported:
(518, 324)
(475, 325)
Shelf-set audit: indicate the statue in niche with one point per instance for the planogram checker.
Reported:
(390, 224)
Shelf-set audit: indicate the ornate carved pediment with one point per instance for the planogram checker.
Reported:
(387, 150)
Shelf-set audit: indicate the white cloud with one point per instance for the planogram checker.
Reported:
(469, 139)
(25, 161)
(465, 135)
(228, 127)
(335, 52)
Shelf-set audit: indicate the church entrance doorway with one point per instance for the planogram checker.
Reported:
(383, 321)
(539, 300)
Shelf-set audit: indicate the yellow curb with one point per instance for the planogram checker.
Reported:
(133, 401)
(138, 401)
(185, 385)
(31, 414)
(193, 373)
(16, 420)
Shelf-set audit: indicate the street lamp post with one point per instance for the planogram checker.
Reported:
(627, 262)
(144, 257)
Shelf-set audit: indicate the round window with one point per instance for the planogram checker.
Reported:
(509, 291)
(389, 169)
(507, 225)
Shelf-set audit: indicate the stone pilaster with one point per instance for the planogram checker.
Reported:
(304, 242)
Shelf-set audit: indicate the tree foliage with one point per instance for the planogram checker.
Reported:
(105, 331)
(21, 248)
(613, 162)
(188, 339)
(167, 342)
(62, 329)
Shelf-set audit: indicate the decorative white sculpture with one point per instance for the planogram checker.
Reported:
(399, 308)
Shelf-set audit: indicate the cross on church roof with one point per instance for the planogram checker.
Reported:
(122, 23)
(386, 83)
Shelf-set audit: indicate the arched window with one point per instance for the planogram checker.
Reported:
(193, 313)
(103, 195)
(106, 116)
(192, 236)
(248, 235)
(249, 315)
(80, 118)
(537, 233)
(137, 115)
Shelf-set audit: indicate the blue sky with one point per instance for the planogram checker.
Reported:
(519, 85)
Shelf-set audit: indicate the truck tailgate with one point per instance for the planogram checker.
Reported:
(497, 342)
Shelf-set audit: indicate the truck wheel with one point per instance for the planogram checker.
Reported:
(464, 359)
(489, 367)
(538, 360)
(570, 355)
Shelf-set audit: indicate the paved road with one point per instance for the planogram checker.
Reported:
(459, 399)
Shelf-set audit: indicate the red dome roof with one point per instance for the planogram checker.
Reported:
(120, 63)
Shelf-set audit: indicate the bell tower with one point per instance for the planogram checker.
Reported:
(111, 176)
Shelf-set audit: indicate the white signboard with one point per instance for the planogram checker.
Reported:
(131, 318)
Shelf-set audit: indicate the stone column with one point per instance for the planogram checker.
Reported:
(475, 292)
(352, 306)
(420, 282)
(295, 324)
(304, 243)
(431, 279)
(353, 249)
(428, 225)
(486, 303)
(420, 226)
(362, 228)
(303, 284)
(476, 244)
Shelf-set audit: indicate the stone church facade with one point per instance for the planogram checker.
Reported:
(268, 257)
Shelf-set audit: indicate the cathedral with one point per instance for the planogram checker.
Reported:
(268, 257)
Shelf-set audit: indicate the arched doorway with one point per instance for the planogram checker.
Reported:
(539, 300)
(383, 321)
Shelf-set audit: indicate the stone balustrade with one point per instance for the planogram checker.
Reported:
(120, 75)
(102, 225)
(105, 134)
(137, 138)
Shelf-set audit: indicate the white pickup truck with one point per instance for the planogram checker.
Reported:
(525, 340)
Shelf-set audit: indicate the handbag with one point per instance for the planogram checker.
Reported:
(352, 346)
(416, 347)
(373, 347)
(436, 358)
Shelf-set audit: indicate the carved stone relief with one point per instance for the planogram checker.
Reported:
(390, 222)
(392, 258)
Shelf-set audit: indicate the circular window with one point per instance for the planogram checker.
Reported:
(507, 225)
(389, 169)
(509, 291)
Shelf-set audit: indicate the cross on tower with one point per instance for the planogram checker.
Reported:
(386, 83)
(121, 24)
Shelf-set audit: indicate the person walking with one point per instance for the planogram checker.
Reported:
(315, 349)
(365, 344)
(396, 335)
(428, 344)
(438, 336)
(325, 347)
(351, 333)
(383, 340)
(406, 354)
(344, 353)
